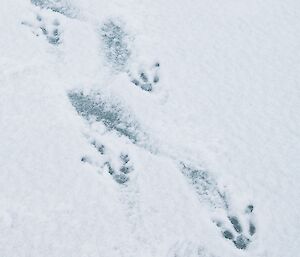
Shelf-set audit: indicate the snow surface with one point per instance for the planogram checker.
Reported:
(149, 128)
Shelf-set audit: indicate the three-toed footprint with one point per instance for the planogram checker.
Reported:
(237, 234)
(119, 173)
(146, 79)
(49, 29)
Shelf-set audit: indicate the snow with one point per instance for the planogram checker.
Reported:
(215, 119)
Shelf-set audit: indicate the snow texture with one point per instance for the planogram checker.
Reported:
(149, 128)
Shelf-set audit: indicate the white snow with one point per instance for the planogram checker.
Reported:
(226, 107)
